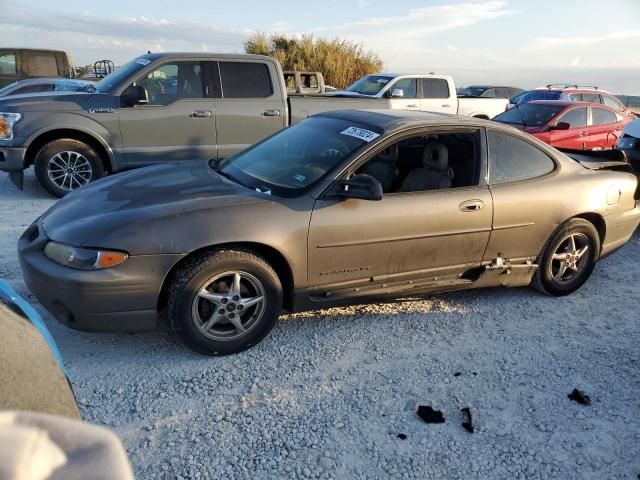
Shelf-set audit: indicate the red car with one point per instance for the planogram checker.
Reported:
(567, 124)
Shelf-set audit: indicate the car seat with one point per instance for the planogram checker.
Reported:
(435, 173)
(384, 167)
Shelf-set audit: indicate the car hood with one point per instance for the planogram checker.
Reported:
(54, 101)
(123, 209)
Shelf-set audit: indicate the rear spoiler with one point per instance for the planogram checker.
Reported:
(613, 159)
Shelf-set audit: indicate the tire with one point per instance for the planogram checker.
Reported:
(189, 313)
(550, 278)
(64, 165)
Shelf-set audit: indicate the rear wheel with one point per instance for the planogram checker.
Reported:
(65, 165)
(224, 302)
(568, 258)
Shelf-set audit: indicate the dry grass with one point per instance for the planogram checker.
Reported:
(340, 61)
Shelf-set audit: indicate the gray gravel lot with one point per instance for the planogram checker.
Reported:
(327, 393)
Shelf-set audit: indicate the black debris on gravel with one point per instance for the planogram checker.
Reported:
(402, 436)
(580, 397)
(457, 374)
(467, 425)
(429, 415)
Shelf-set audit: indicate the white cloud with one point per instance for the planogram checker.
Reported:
(544, 43)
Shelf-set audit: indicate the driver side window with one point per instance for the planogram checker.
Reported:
(173, 81)
(408, 87)
(427, 162)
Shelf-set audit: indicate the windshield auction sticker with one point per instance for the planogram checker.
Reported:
(361, 133)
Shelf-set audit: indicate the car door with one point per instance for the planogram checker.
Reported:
(417, 236)
(437, 96)
(177, 123)
(250, 106)
(522, 199)
(574, 138)
(404, 94)
(604, 129)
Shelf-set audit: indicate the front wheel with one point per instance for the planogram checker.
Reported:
(65, 165)
(568, 258)
(224, 302)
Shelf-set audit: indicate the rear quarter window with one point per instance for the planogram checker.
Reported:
(435, 88)
(245, 80)
(602, 116)
(512, 159)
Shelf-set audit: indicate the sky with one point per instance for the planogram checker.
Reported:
(517, 42)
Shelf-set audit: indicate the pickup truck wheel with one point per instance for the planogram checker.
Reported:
(568, 258)
(64, 165)
(224, 302)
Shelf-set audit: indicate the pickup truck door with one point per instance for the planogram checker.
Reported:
(251, 105)
(437, 96)
(404, 94)
(178, 121)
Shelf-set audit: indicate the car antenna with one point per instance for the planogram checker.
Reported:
(524, 124)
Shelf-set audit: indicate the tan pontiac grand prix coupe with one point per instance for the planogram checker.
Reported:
(344, 207)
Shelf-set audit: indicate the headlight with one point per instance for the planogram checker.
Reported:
(7, 121)
(83, 258)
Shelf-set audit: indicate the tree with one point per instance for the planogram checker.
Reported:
(340, 61)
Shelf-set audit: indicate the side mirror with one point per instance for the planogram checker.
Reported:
(361, 186)
(561, 126)
(135, 95)
(397, 93)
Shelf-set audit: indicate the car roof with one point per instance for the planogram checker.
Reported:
(392, 120)
(561, 103)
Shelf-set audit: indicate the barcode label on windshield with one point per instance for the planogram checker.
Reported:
(361, 133)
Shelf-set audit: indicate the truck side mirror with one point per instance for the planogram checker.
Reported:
(135, 95)
(397, 93)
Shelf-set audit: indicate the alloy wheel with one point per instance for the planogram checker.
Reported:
(229, 305)
(570, 258)
(69, 170)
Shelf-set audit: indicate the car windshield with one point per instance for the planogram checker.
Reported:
(472, 91)
(117, 76)
(8, 88)
(291, 161)
(370, 85)
(530, 114)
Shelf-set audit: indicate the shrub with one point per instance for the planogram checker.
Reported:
(340, 61)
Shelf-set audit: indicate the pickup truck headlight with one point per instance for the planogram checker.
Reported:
(7, 121)
(83, 258)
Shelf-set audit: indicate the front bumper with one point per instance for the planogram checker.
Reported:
(12, 159)
(619, 228)
(119, 299)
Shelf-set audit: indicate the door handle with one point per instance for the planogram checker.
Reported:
(412, 106)
(446, 105)
(471, 205)
(271, 113)
(582, 134)
(201, 114)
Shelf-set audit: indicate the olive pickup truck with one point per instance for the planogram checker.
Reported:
(157, 108)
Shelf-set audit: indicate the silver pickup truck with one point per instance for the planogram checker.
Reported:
(156, 108)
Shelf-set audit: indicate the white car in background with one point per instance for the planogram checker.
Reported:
(429, 93)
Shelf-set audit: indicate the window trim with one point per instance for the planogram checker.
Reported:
(370, 153)
(422, 81)
(602, 107)
(264, 64)
(551, 173)
(572, 109)
(159, 66)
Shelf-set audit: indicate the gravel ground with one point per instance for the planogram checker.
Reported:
(326, 395)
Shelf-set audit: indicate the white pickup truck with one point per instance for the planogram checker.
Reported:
(432, 93)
